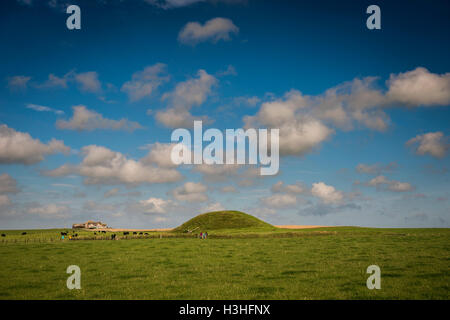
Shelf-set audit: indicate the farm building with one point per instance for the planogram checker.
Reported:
(90, 225)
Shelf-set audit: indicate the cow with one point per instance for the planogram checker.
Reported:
(140, 233)
(146, 234)
(126, 233)
(134, 232)
(24, 233)
(3, 235)
(113, 237)
(103, 231)
(64, 233)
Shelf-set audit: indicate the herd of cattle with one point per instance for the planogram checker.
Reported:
(75, 235)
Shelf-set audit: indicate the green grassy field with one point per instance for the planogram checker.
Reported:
(248, 263)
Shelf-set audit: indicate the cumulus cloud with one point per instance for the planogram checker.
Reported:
(18, 82)
(54, 81)
(419, 87)
(40, 108)
(381, 182)
(49, 211)
(88, 82)
(280, 200)
(172, 4)
(299, 132)
(144, 82)
(191, 192)
(305, 121)
(160, 154)
(229, 71)
(20, 147)
(101, 165)
(85, 119)
(155, 205)
(328, 194)
(212, 30)
(432, 143)
(216, 206)
(228, 189)
(375, 168)
(4, 201)
(290, 188)
(8, 184)
(215, 173)
(187, 94)
(111, 193)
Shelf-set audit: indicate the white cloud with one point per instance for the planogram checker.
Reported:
(419, 87)
(432, 143)
(290, 188)
(85, 119)
(375, 168)
(172, 4)
(160, 154)
(18, 82)
(54, 81)
(213, 30)
(144, 82)
(155, 205)
(247, 101)
(280, 200)
(49, 211)
(230, 71)
(191, 192)
(299, 133)
(328, 194)
(189, 93)
(4, 201)
(101, 165)
(216, 206)
(217, 172)
(392, 185)
(20, 147)
(8, 184)
(228, 189)
(111, 193)
(88, 82)
(40, 108)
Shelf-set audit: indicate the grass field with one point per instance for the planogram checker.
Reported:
(325, 263)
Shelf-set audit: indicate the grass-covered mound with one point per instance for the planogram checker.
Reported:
(222, 220)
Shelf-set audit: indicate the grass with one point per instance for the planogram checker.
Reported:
(224, 220)
(325, 263)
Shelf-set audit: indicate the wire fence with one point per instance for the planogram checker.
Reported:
(25, 239)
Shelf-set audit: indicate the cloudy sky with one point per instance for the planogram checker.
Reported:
(86, 115)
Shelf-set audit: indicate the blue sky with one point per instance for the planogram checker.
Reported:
(363, 114)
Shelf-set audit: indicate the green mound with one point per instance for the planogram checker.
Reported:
(219, 220)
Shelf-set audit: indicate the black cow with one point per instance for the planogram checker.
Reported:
(146, 234)
(126, 233)
(135, 232)
(24, 233)
(140, 233)
(113, 237)
(64, 233)
(95, 233)
(103, 231)
(3, 235)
